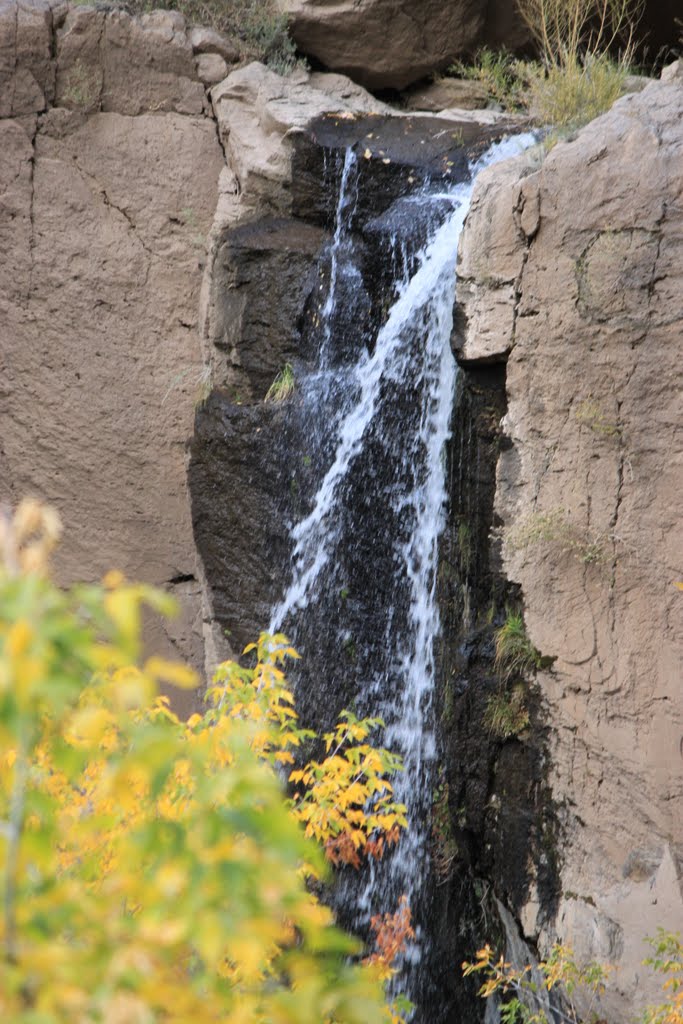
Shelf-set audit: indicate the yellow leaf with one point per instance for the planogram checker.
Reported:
(18, 639)
(173, 672)
(89, 724)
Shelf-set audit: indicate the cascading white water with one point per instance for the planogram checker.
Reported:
(387, 419)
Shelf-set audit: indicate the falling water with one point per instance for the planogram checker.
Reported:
(362, 603)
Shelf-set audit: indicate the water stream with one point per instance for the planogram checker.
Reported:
(361, 605)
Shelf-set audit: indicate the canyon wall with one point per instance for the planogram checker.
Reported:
(161, 231)
(109, 164)
(571, 270)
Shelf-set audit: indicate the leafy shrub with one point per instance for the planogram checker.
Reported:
(576, 38)
(506, 78)
(566, 30)
(524, 1000)
(152, 869)
(568, 95)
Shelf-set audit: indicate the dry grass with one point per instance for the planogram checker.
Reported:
(568, 95)
(515, 653)
(506, 714)
(258, 28)
(569, 30)
(283, 385)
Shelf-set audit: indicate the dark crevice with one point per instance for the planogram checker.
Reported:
(181, 577)
(504, 826)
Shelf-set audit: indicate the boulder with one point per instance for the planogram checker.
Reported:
(211, 68)
(448, 93)
(205, 40)
(259, 112)
(572, 270)
(385, 44)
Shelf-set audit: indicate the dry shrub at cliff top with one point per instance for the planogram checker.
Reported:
(258, 28)
(587, 48)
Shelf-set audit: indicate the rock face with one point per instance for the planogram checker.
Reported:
(574, 269)
(284, 141)
(108, 184)
(385, 43)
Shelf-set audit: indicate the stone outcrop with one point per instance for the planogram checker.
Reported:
(136, 213)
(390, 44)
(385, 43)
(108, 182)
(571, 269)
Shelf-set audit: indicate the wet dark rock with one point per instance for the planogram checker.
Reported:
(397, 154)
(264, 271)
(241, 503)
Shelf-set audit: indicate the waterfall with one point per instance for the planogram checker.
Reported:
(362, 605)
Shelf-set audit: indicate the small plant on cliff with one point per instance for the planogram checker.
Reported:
(554, 527)
(283, 385)
(506, 78)
(444, 845)
(525, 1000)
(515, 653)
(506, 714)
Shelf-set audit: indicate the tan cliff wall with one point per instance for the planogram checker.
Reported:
(109, 165)
(573, 271)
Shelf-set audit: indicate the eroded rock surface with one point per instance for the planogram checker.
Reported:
(574, 268)
(108, 184)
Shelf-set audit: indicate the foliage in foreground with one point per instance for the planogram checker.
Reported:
(524, 992)
(152, 869)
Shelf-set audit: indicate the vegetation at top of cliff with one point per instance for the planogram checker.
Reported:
(259, 30)
(570, 30)
(153, 869)
(524, 991)
(586, 50)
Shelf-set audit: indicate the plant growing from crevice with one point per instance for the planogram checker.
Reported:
(444, 847)
(506, 714)
(283, 386)
(554, 527)
(515, 653)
